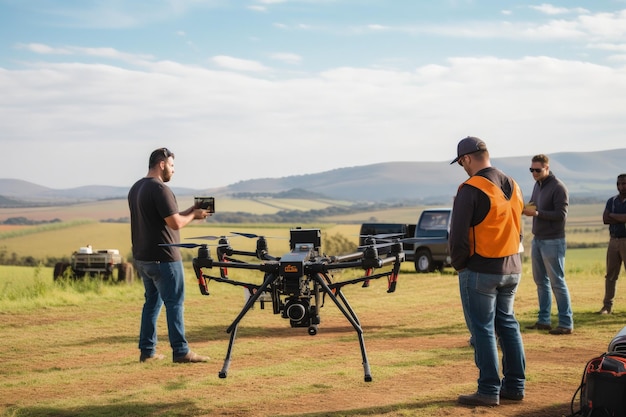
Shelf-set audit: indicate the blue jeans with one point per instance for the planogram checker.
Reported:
(548, 260)
(487, 301)
(164, 283)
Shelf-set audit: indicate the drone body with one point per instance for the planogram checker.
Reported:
(298, 281)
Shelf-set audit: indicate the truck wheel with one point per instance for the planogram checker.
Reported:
(59, 270)
(423, 261)
(125, 272)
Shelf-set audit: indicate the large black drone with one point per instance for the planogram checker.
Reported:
(296, 282)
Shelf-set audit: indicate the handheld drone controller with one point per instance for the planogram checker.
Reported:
(205, 203)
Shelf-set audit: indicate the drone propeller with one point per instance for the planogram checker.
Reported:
(208, 237)
(248, 235)
(253, 236)
(383, 236)
(184, 245)
(376, 245)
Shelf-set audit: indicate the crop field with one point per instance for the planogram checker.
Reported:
(115, 209)
(83, 227)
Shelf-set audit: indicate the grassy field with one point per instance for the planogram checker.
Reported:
(70, 350)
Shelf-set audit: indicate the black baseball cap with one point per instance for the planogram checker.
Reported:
(469, 145)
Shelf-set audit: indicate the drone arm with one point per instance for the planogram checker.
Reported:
(264, 256)
(236, 283)
(241, 252)
(387, 261)
(358, 280)
(266, 267)
(348, 257)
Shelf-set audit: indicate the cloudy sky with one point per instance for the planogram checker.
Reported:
(244, 89)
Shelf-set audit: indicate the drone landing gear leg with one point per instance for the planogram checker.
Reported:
(349, 313)
(224, 372)
(232, 329)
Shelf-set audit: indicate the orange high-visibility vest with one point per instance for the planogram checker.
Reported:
(488, 238)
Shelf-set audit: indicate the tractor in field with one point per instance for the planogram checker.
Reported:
(104, 263)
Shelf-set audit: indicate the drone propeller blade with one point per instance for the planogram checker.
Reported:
(376, 246)
(383, 236)
(207, 237)
(253, 236)
(183, 245)
(248, 235)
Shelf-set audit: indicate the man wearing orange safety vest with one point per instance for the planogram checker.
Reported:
(485, 236)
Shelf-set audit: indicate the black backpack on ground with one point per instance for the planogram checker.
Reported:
(603, 387)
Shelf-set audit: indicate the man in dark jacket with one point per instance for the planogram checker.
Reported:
(615, 216)
(548, 208)
(485, 236)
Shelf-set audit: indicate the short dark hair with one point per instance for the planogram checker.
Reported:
(159, 155)
(620, 176)
(541, 158)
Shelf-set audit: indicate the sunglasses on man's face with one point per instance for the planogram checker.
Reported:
(537, 170)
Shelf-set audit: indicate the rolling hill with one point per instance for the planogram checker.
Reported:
(587, 175)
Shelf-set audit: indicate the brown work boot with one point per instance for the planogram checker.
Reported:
(191, 357)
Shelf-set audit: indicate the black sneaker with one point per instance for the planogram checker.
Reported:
(515, 396)
(478, 399)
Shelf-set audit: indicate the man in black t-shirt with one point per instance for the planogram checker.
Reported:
(155, 220)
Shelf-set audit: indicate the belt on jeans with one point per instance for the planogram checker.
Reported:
(618, 237)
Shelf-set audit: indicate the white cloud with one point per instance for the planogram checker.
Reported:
(109, 53)
(599, 26)
(40, 48)
(553, 10)
(288, 58)
(238, 64)
(227, 126)
(230, 115)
